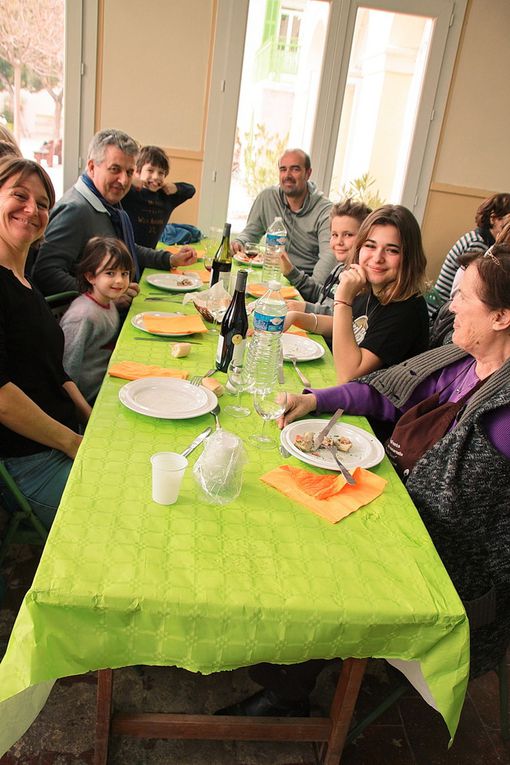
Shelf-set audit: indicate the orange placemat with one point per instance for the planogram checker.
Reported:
(132, 370)
(257, 290)
(204, 275)
(329, 496)
(170, 325)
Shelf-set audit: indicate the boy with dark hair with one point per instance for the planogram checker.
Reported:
(150, 200)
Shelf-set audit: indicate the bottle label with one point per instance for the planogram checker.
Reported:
(238, 352)
(267, 323)
(276, 240)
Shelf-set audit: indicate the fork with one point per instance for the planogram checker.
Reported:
(304, 380)
(348, 477)
(197, 379)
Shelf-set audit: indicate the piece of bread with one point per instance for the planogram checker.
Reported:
(214, 385)
(180, 350)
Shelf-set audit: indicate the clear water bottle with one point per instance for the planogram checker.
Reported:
(276, 241)
(264, 355)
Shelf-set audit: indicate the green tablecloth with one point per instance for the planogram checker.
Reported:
(126, 581)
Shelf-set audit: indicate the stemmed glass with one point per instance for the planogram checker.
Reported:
(270, 403)
(237, 384)
(211, 244)
(216, 305)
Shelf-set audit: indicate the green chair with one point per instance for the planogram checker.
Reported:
(23, 526)
(60, 302)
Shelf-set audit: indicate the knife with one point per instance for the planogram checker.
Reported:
(321, 435)
(198, 440)
(168, 339)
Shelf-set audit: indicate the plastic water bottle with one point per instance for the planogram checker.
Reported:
(276, 241)
(264, 355)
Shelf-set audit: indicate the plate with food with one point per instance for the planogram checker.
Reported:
(356, 447)
(301, 348)
(176, 282)
(138, 322)
(257, 260)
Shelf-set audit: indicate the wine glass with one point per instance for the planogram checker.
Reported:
(211, 244)
(216, 305)
(270, 403)
(237, 384)
(251, 251)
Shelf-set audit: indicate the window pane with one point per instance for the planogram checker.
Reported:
(31, 91)
(386, 71)
(277, 103)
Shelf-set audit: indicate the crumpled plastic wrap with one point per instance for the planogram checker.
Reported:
(204, 301)
(219, 469)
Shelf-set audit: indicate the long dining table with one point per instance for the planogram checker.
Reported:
(124, 581)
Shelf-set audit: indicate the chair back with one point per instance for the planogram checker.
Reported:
(60, 302)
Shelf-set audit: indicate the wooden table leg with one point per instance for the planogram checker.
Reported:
(342, 708)
(103, 715)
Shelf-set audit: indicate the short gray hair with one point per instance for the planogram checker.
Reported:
(111, 137)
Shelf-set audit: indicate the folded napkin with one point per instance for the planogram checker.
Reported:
(329, 496)
(169, 325)
(257, 290)
(296, 331)
(132, 370)
(175, 248)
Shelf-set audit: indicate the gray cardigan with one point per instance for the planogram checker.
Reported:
(461, 487)
(78, 216)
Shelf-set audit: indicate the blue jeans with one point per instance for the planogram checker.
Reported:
(41, 478)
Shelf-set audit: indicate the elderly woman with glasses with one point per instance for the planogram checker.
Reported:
(449, 410)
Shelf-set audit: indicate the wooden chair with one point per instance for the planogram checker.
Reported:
(23, 526)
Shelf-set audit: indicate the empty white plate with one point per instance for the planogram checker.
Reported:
(168, 398)
(303, 348)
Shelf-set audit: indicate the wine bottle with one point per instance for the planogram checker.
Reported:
(222, 263)
(234, 327)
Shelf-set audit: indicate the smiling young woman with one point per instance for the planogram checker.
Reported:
(380, 315)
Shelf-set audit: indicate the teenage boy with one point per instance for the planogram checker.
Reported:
(151, 199)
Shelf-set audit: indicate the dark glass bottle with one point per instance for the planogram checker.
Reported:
(222, 263)
(234, 327)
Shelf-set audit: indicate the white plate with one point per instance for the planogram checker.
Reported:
(366, 450)
(137, 322)
(168, 398)
(257, 262)
(170, 282)
(303, 348)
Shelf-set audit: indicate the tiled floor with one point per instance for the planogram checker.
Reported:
(410, 733)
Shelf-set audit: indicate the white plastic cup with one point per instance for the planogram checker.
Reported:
(167, 472)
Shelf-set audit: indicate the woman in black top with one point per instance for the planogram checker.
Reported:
(39, 405)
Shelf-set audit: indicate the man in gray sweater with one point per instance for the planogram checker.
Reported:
(305, 213)
(92, 208)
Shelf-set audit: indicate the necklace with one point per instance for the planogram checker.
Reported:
(361, 323)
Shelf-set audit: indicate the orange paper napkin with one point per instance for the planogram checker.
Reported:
(175, 248)
(329, 496)
(132, 370)
(168, 325)
(296, 331)
(257, 290)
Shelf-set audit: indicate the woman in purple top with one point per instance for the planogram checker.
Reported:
(450, 412)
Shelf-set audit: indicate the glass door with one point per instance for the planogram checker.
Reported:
(281, 70)
(361, 86)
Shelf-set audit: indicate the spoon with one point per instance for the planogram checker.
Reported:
(215, 412)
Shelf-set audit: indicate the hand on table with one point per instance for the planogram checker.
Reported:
(185, 257)
(297, 406)
(296, 305)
